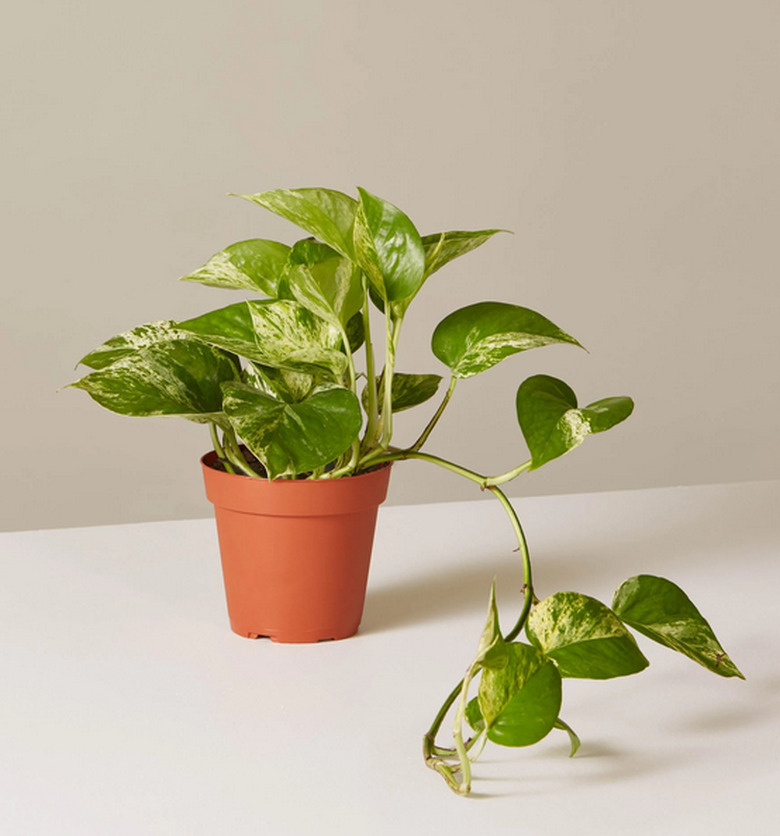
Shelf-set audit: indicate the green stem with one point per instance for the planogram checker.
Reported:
(431, 752)
(233, 452)
(218, 449)
(369, 438)
(380, 456)
(432, 423)
(509, 475)
(392, 333)
(522, 547)
(464, 787)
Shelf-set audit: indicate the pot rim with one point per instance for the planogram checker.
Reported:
(295, 497)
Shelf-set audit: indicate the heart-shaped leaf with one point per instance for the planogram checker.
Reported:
(293, 438)
(327, 214)
(277, 333)
(551, 422)
(519, 702)
(180, 377)
(388, 248)
(584, 637)
(475, 338)
(132, 341)
(325, 282)
(254, 265)
(443, 247)
(408, 390)
(660, 610)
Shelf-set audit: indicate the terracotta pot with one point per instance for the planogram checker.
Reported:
(295, 553)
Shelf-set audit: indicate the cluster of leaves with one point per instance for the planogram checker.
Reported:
(571, 635)
(279, 376)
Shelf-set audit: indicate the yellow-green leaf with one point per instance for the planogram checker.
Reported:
(475, 338)
(584, 637)
(660, 610)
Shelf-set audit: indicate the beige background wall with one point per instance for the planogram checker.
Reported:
(631, 146)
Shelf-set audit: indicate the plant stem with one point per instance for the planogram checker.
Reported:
(432, 423)
(380, 456)
(218, 449)
(432, 753)
(464, 787)
(233, 452)
(372, 408)
(392, 333)
(509, 475)
(522, 547)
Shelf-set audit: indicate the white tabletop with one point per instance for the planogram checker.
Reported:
(129, 707)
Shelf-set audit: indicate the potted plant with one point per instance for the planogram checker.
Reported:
(298, 389)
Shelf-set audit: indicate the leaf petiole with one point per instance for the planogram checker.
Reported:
(432, 423)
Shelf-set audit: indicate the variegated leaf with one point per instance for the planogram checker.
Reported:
(443, 247)
(492, 649)
(181, 378)
(408, 390)
(131, 341)
(474, 716)
(254, 265)
(475, 338)
(660, 610)
(356, 332)
(584, 637)
(551, 422)
(294, 438)
(327, 214)
(291, 337)
(325, 282)
(520, 701)
(282, 384)
(277, 333)
(388, 248)
(230, 328)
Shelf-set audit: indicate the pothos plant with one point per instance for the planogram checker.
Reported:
(290, 386)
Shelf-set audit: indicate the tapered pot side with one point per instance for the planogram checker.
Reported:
(295, 552)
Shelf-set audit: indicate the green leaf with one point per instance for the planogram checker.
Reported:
(474, 716)
(327, 214)
(254, 265)
(294, 438)
(574, 741)
(275, 333)
(475, 338)
(356, 332)
(551, 422)
(282, 384)
(290, 336)
(181, 377)
(408, 390)
(660, 610)
(521, 700)
(584, 637)
(229, 328)
(326, 283)
(491, 650)
(443, 247)
(130, 342)
(388, 248)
